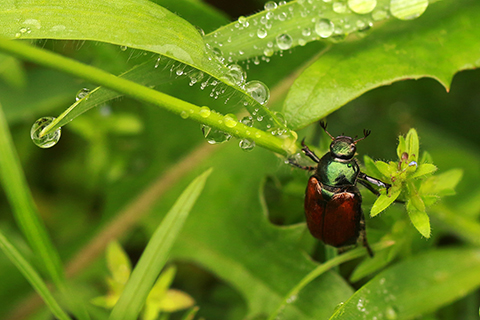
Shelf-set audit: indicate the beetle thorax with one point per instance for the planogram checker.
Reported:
(336, 172)
(343, 147)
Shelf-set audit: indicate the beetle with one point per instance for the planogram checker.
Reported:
(333, 203)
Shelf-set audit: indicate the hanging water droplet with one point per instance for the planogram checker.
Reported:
(284, 41)
(123, 48)
(48, 140)
(268, 52)
(246, 144)
(235, 75)
(270, 5)
(195, 77)
(230, 120)
(306, 32)
(82, 93)
(205, 112)
(362, 6)
(243, 21)
(200, 31)
(258, 91)
(248, 121)
(214, 136)
(324, 28)
(407, 9)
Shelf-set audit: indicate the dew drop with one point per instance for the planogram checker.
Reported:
(306, 32)
(270, 5)
(184, 114)
(390, 313)
(205, 112)
(408, 9)
(214, 136)
(123, 48)
(362, 6)
(258, 91)
(248, 121)
(200, 31)
(230, 120)
(324, 28)
(48, 140)
(379, 15)
(268, 52)
(247, 144)
(262, 33)
(235, 75)
(82, 93)
(339, 7)
(284, 41)
(195, 77)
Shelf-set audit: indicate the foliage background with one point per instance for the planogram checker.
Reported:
(244, 246)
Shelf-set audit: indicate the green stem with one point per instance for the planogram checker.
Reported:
(315, 273)
(285, 145)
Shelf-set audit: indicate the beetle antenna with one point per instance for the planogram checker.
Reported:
(366, 133)
(324, 127)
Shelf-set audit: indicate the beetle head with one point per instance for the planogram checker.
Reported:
(343, 147)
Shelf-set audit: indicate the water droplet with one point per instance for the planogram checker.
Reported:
(248, 121)
(205, 112)
(284, 41)
(195, 77)
(292, 299)
(283, 2)
(408, 9)
(339, 7)
(379, 15)
(391, 314)
(200, 31)
(230, 120)
(247, 144)
(82, 93)
(243, 21)
(262, 33)
(48, 140)
(268, 52)
(258, 91)
(184, 114)
(235, 75)
(270, 5)
(324, 28)
(306, 32)
(123, 48)
(214, 136)
(362, 6)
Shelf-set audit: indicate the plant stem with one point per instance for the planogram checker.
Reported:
(284, 146)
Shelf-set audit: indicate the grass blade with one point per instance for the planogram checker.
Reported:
(156, 253)
(14, 183)
(32, 276)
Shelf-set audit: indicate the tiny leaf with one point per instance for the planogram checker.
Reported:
(442, 184)
(419, 219)
(423, 169)
(118, 262)
(383, 201)
(402, 147)
(412, 143)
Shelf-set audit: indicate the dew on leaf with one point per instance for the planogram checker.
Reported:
(82, 93)
(270, 5)
(214, 136)
(362, 6)
(247, 144)
(48, 140)
(284, 41)
(324, 28)
(258, 91)
(407, 9)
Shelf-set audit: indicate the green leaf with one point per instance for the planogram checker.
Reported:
(416, 286)
(413, 145)
(383, 168)
(423, 169)
(384, 201)
(402, 147)
(442, 184)
(32, 276)
(23, 206)
(254, 254)
(118, 263)
(156, 253)
(138, 24)
(176, 300)
(419, 219)
(442, 46)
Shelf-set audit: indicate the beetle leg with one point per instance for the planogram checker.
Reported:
(293, 163)
(309, 153)
(374, 181)
(363, 236)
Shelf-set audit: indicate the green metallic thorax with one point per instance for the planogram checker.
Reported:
(336, 173)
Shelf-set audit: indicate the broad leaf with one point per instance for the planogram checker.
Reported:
(416, 286)
(438, 44)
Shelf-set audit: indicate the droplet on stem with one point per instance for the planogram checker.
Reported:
(48, 140)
